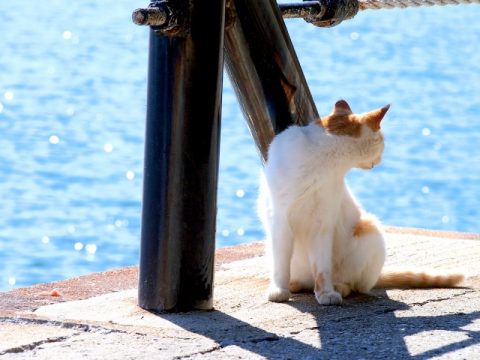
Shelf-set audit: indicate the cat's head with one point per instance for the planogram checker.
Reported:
(362, 129)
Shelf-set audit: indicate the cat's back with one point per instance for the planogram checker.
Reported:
(293, 144)
(290, 156)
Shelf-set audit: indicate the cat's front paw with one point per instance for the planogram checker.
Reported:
(277, 294)
(328, 298)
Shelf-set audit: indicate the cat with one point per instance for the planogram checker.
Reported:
(318, 236)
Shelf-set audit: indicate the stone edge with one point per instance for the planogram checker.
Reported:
(30, 298)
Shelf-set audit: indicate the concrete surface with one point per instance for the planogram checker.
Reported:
(97, 316)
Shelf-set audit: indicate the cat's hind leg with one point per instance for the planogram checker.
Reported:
(373, 267)
(368, 255)
(281, 248)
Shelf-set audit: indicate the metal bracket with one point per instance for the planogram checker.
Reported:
(335, 11)
(322, 13)
(164, 17)
(306, 9)
(171, 18)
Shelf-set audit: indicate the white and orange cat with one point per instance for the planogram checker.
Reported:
(318, 236)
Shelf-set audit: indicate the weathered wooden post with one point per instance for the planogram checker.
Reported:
(264, 70)
(264, 67)
(181, 153)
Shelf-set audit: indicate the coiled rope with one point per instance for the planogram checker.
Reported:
(390, 4)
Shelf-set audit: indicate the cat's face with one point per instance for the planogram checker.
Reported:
(363, 129)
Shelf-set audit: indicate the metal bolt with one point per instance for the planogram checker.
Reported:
(302, 10)
(152, 16)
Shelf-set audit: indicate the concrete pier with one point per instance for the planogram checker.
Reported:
(97, 316)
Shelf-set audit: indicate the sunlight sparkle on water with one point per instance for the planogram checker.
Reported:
(45, 239)
(240, 232)
(1, 107)
(78, 246)
(130, 175)
(12, 281)
(54, 139)
(225, 233)
(70, 111)
(426, 132)
(121, 223)
(445, 219)
(425, 189)
(108, 148)
(67, 34)
(8, 95)
(240, 193)
(354, 36)
(91, 248)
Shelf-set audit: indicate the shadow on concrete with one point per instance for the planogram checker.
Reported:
(452, 322)
(227, 330)
(364, 327)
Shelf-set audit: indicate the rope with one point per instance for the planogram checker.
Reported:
(390, 4)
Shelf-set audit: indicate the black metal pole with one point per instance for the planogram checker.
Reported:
(265, 71)
(181, 161)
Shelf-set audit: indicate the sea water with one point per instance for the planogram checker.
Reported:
(72, 122)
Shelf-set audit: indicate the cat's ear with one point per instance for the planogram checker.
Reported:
(341, 107)
(373, 118)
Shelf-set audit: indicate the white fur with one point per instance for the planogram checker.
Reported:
(309, 214)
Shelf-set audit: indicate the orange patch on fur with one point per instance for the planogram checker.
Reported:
(343, 289)
(296, 287)
(342, 121)
(419, 279)
(364, 226)
(342, 124)
(341, 106)
(373, 118)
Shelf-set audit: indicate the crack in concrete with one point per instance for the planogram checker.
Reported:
(422, 303)
(305, 329)
(203, 352)
(382, 311)
(34, 345)
(265, 338)
(230, 342)
(62, 324)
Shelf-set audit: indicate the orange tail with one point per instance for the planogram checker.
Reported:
(418, 279)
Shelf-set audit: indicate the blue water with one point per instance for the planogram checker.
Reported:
(72, 110)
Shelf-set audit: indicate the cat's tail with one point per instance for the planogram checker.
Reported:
(405, 279)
